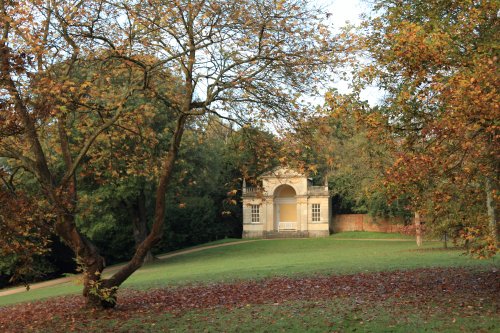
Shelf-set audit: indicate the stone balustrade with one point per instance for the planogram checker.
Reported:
(287, 226)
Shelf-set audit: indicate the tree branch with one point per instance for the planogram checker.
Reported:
(83, 152)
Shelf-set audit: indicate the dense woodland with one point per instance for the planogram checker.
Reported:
(127, 127)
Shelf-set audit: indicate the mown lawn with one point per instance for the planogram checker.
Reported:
(313, 316)
(370, 235)
(335, 284)
(417, 300)
(290, 257)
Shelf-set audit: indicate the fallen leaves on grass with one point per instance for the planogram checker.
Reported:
(462, 288)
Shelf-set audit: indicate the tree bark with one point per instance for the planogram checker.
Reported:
(88, 258)
(167, 168)
(62, 198)
(140, 224)
(418, 229)
(111, 285)
(491, 206)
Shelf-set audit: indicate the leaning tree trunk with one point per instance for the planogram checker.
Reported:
(108, 287)
(104, 295)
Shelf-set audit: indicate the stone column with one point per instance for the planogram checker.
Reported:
(302, 211)
(269, 211)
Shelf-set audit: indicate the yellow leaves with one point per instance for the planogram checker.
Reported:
(482, 244)
(373, 120)
(405, 95)
(313, 168)
(279, 4)
(85, 85)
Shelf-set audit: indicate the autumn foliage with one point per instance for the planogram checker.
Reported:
(438, 64)
(25, 233)
(98, 93)
(89, 90)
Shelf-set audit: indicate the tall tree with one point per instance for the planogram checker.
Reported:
(337, 144)
(241, 60)
(438, 63)
(52, 110)
(226, 52)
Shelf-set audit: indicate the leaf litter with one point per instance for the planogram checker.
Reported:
(459, 291)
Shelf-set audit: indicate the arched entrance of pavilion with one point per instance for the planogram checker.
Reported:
(285, 208)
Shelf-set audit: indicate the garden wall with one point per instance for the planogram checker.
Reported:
(364, 222)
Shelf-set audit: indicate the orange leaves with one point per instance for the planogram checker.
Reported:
(231, 197)
(480, 242)
(279, 4)
(313, 168)
(437, 67)
(330, 161)
(24, 231)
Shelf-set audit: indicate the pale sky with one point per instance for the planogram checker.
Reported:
(343, 12)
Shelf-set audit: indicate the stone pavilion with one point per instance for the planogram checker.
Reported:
(287, 204)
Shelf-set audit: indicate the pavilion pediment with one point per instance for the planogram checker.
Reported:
(282, 172)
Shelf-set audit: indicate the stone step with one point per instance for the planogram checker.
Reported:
(285, 234)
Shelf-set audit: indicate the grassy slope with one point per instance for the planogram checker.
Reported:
(266, 258)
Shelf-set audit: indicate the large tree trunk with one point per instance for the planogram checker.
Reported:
(88, 258)
(140, 224)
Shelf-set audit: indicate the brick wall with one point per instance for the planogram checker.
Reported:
(364, 222)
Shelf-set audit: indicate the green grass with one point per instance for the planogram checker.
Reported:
(265, 258)
(369, 235)
(338, 315)
(217, 242)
